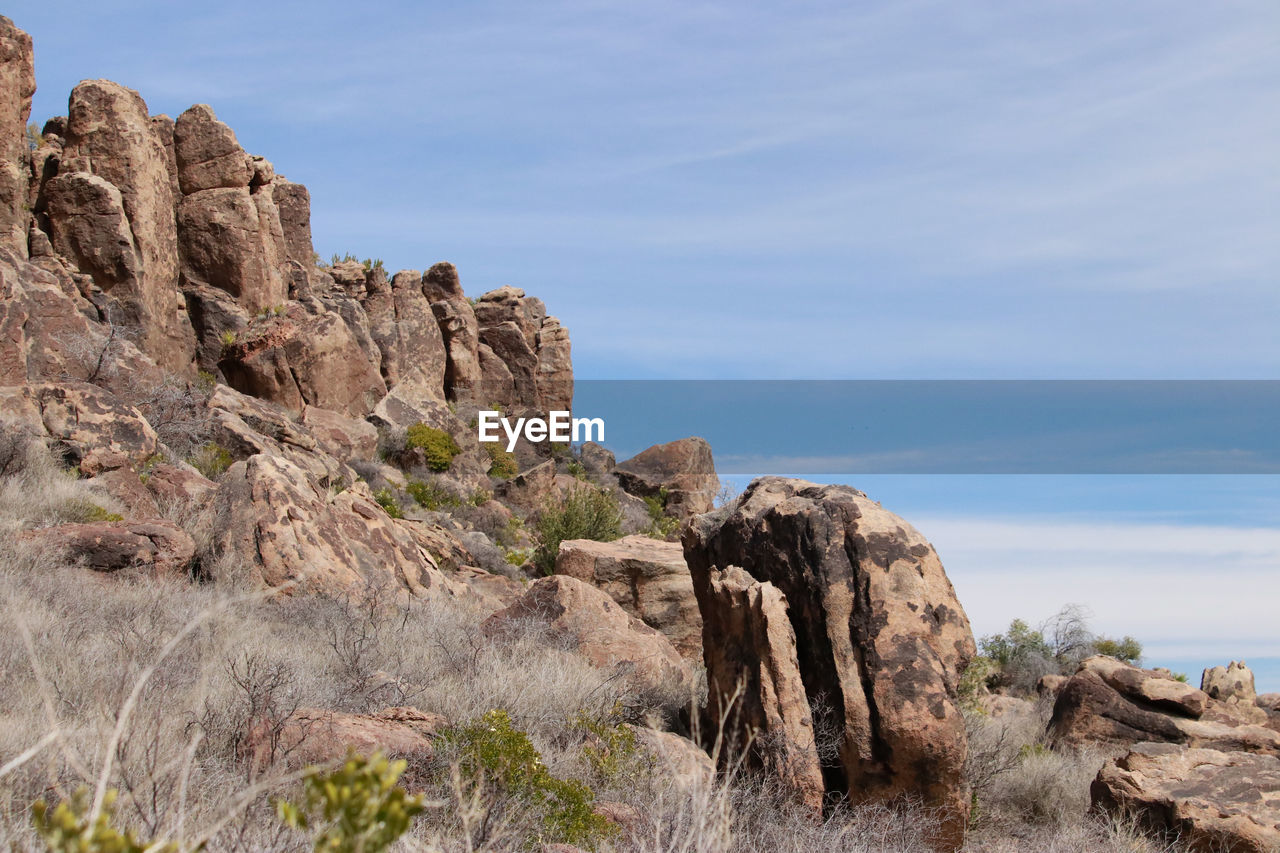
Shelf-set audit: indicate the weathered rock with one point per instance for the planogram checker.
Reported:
(88, 427)
(294, 203)
(1206, 799)
(507, 341)
(598, 460)
(17, 86)
(1115, 705)
(341, 436)
(1232, 683)
(157, 547)
(404, 327)
(683, 470)
(207, 153)
(170, 485)
(683, 762)
(879, 634)
(312, 736)
(555, 367)
(164, 129)
(459, 330)
(648, 578)
(224, 244)
(289, 531)
(1051, 685)
(600, 631)
(749, 642)
(530, 489)
(110, 134)
(88, 227)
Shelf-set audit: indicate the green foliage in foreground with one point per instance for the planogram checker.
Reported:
(387, 500)
(502, 463)
(498, 762)
(211, 460)
(584, 513)
(438, 447)
(358, 808)
(67, 828)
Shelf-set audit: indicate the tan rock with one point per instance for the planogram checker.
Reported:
(88, 227)
(682, 761)
(459, 330)
(589, 621)
(683, 470)
(111, 135)
(156, 547)
(17, 86)
(1231, 683)
(879, 633)
(207, 153)
(404, 327)
(294, 203)
(648, 578)
(316, 737)
(290, 532)
(224, 244)
(341, 436)
(1208, 800)
(87, 426)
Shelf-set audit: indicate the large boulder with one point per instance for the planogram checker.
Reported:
(533, 347)
(574, 613)
(880, 638)
(291, 533)
(1231, 683)
(156, 547)
(1206, 799)
(648, 578)
(1113, 705)
(88, 226)
(682, 472)
(89, 428)
(17, 86)
(294, 202)
(110, 134)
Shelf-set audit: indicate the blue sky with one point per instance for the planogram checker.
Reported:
(798, 190)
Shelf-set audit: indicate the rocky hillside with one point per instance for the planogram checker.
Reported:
(198, 411)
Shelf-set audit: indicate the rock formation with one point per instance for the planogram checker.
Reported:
(680, 472)
(1206, 799)
(17, 86)
(647, 578)
(872, 631)
(1116, 705)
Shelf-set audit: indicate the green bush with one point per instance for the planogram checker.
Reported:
(432, 496)
(387, 500)
(358, 808)
(502, 464)
(499, 764)
(1126, 648)
(84, 511)
(661, 525)
(611, 750)
(212, 460)
(437, 446)
(584, 513)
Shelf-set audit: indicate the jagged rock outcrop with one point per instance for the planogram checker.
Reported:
(1115, 705)
(89, 428)
(1208, 800)
(1232, 683)
(880, 638)
(111, 135)
(17, 86)
(88, 226)
(682, 471)
(404, 327)
(590, 622)
(459, 330)
(532, 347)
(647, 578)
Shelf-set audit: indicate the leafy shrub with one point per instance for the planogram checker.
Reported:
(661, 525)
(356, 809)
(387, 500)
(584, 513)
(85, 511)
(576, 470)
(480, 497)
(437, 446)
(611, 750)
(498, 762)
(1126, 648)
(502, 463)
(211, 459)
(432, 496)
(71, 828)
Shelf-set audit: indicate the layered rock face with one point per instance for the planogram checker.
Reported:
(817, 595)
(17, 86)
(1208, 800)
(1116, 705)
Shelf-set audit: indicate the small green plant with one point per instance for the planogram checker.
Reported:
(1126, 648)
(499, 763)
(973, 683)
(211, 460)
(431, 496)
(387, 500)
(228, 339)
(1180, 676)
(480, 497)
(517, 556)
(437, 446)
(611, 749)
(370, 264)
(576, 470)
(502, 464)
(340, 259)
(69, 827)
(358, 808)
(661, 525)
(561, 450)
(34, 137)
(584, 513)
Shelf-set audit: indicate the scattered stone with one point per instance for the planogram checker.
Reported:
(681, 470)
(157, 547)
